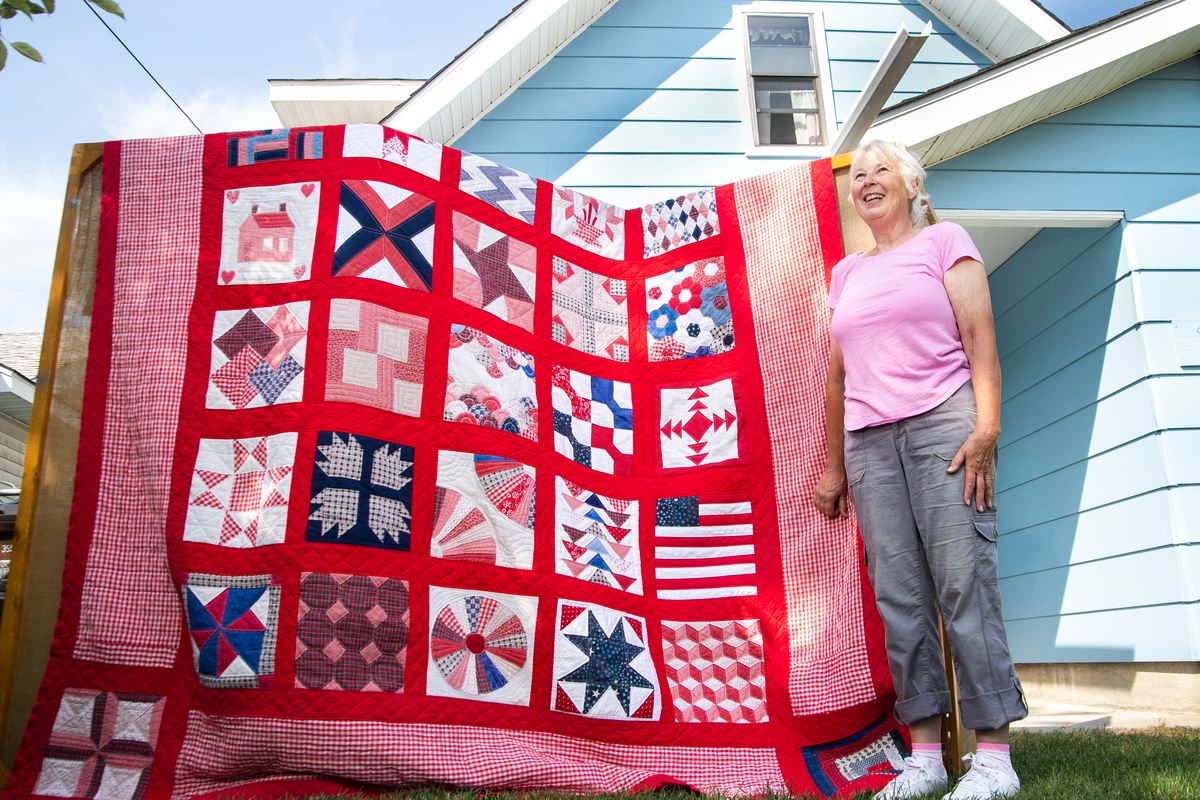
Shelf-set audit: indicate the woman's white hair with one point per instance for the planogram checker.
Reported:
(911, 170)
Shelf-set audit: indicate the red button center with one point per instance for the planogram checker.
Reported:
(475, 643)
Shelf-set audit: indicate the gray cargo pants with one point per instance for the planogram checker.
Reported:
(927, 551)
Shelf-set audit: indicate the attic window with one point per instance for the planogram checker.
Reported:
(784, 77)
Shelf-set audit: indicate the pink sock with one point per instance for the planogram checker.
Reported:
(930, 753)
(1000, 752)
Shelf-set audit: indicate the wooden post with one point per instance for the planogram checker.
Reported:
(856, 236)
(39, 539)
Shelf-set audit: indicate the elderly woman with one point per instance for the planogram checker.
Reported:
(913, 415)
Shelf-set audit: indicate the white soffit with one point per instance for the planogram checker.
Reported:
(486, 72)
(1000, 234)
(298, 103)
(1000, 28)
(970, 112)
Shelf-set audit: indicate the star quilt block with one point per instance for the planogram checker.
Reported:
(361, 492)
(698, 425)
(384, 232)
(688, 311)
(715, 670)
(484, 510)
(267, 233)
(239, 494)
(593, 420)
(704, 547)
(596, 537)
(102, 745)
(506, 189)
(376, 356)
(490, 383)
(351, 633)
(602, 664)
(670, 224)
(232, 625)
(258, 356)
(494, 271)
(590, 312)
(481, 645)
(588, 222)
(376, 141)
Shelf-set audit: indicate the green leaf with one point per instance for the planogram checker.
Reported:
(22, 6)
(108, 5)
(3, 55)
(36, 9)
(49, 4)
(6, 12)
(28, 51)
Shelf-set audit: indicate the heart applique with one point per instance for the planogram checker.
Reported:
(227, 275)
(300, 270)
(233, 195)
(307, 189)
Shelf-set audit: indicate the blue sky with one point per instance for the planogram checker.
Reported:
(215, 58)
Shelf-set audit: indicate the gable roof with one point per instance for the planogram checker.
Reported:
(1055, 77)
(463, 91)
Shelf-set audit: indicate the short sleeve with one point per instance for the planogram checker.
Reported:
(837, 280)
(954, 244)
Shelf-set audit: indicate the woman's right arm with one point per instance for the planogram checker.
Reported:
(832, 493)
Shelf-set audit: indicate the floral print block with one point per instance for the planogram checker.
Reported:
(493, 271)
(101, 746)
(490, 383)
(596, 537)
(589, 223)
(590, 312)
(688, 311)
(258, 356)
(484, 510)
(361, 492)
(268, 232)
(481, 646)
(351, 633)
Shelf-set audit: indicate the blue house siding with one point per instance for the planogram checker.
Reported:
(1099, 472)
(645, 102)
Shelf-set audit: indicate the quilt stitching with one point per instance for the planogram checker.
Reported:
(375, 141)
(715, 671)
(384, 232)
(102, 745)
(484, 510)
(481, 646)
(513, 192)
(686, 219)
(704, 547)
(588, 222)
(376, 356)
(351, 632)
(232, 624)
(239, 491)
(490, 383)
(257, 356)
(590, 312)
(602, 666)
(493, 271)
(698, 426)
(593, 420)
(596, 537)
(361, 492)
(688, 313)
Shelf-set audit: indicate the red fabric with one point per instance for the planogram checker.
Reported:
(460, 627)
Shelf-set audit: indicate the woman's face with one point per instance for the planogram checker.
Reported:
(879, 192)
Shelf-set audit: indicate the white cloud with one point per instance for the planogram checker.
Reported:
(152, 114)
(344, 62)
(31, 207)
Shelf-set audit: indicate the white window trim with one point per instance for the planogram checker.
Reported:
(746, 82)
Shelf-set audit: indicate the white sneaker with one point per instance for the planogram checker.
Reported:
(987, 779)
(920, 777)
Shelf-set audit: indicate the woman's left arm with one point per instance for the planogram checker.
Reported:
(967, 286)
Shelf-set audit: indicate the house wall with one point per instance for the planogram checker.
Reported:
(644, 104)
(1099, 471)
(12, 449)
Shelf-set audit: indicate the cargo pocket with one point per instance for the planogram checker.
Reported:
(985, 547)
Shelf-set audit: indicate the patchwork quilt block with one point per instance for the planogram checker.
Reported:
(258, 356)
(493, 271)
(361, 491)
(590, 312)
(239, 493)
(351, 633)
(307, 507)
(490, 384)
(384, 232)
(268, 233)
(593, 420)
(376, 356)
(484, 510)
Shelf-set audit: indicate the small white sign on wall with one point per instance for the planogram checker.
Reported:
(1187, 342)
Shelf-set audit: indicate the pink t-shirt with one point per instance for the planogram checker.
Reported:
(894, 324)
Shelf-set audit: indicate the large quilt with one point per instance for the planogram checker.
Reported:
(399, 466)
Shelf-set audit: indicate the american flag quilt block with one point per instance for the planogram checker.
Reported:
(416, 475)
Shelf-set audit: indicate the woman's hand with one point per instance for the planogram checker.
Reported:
(832, 493)
(978, 453)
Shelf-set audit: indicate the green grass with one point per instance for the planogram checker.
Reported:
(1161, 764)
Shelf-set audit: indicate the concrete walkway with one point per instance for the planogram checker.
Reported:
(1061, 716)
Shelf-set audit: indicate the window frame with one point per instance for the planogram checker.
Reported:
(824, 90)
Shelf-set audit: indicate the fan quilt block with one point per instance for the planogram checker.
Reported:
(446, 496)
(493, 271)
